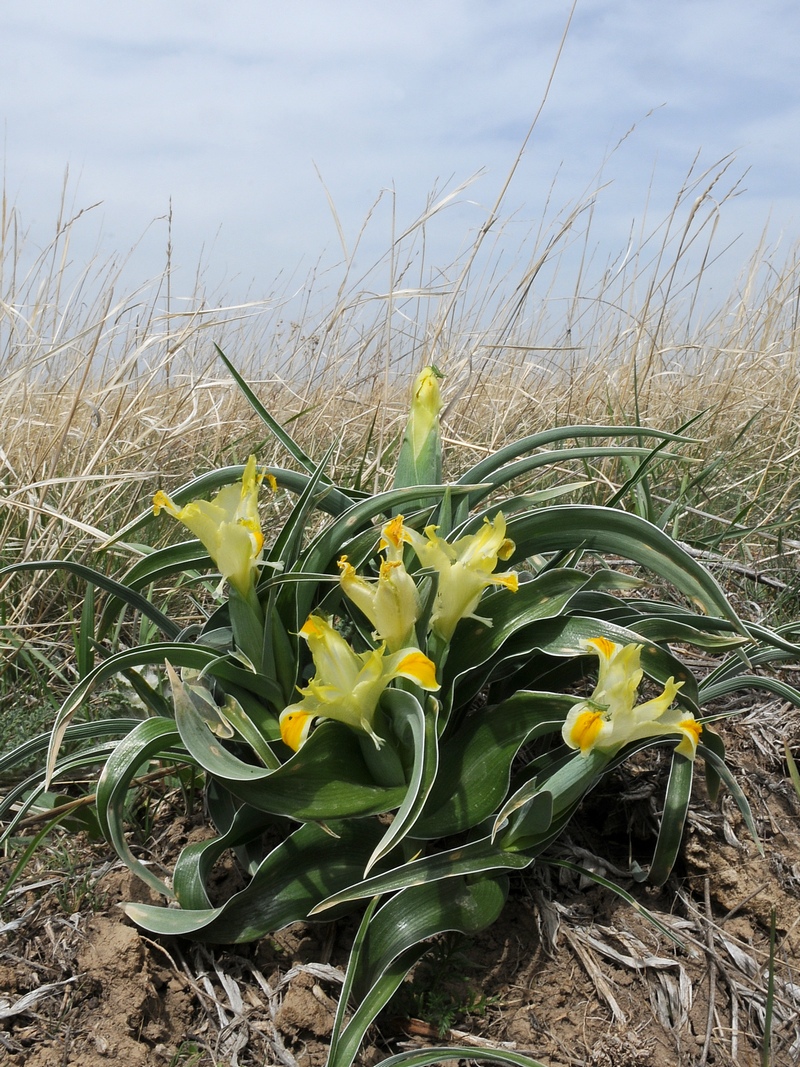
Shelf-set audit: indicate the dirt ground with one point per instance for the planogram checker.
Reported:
(571, 974)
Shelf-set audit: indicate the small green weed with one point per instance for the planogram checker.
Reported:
(440, 992)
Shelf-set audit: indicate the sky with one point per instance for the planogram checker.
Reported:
(250, 119)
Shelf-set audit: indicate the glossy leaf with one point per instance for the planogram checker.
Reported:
(327, 779)
(393, 942)
(102, 581)
(476, 760)
(407, 716)
(606, 530)
(311, 864)
(673, 819)
(182, 655)
(153, 738)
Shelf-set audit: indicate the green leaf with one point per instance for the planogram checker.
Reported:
(196, 860)
(574, 775)
(724, 773)
(153, 738)
(394, 935)
(499, 467)
(286, 548)
(502, 615)
(407, 716)
(606, 530)
(311, 864)
(566, 636)
(433, 1057)
(182, 655)
(476, 760)
(744, 682)
(288, 442)
(475, 857)
(108, 585)
(637, 905)
(673, 819)
(83, 731)
(327, 779)
(558, 459)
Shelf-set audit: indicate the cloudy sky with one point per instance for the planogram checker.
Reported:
(247, 115)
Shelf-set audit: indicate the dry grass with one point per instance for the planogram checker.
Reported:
(109, 396)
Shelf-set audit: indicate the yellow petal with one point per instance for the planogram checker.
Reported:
(312, 627)
(161, 500)
(603, 646)
(691, 730)
(392, 535)
(585, 728)
(419, 668)
(295, 727)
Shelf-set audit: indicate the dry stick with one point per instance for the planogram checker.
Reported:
(731, 565)
(712, 974)
(82, 802)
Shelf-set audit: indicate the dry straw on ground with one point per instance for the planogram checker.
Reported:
(109, 396)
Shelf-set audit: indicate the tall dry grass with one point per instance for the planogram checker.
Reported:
(109, 394)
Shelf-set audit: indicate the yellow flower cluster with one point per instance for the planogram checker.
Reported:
(610, 718)
(347, 686)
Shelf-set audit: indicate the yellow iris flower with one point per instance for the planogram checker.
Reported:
(392, 603)
(465, 569)
(228, 526)
(347, 686)
(610, 718)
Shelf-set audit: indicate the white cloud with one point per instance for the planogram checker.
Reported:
(227, 108)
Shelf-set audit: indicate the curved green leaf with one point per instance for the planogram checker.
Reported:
(22, 797)
(607, 530)
(432, 1057)
(558, 458)
(180, 654)
(566, 636)
(722, 770)
(503, 615)
(197, 859)
(108, 585)
(673, 819)
(152, 738)
(742, 682)
(490, 469)
(574, 776)
(82, 731)
(408, 716)
(392, 944)
(476, 857)
(476, 760)
(327, 779)
(311, 864)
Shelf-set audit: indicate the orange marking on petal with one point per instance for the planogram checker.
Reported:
(417, 666)
(311, 627)
(392, 533)
(161, 500)
(293, 728)
(510, 581)
(585, 729)
(693, 727)
(603, 645)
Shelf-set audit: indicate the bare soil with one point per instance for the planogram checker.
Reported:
(571, 974)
